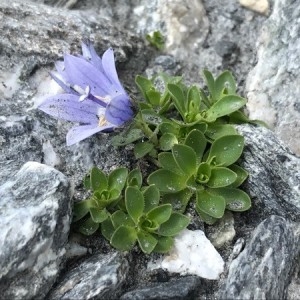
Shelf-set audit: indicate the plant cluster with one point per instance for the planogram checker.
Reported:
(187, 133)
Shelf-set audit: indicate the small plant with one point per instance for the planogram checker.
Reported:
(156, 39)
(189, 134)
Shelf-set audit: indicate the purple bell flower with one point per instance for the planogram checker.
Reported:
(94, 95)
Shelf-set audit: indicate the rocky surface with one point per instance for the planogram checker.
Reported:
(272, 86)
(34, 35)
(35, 222)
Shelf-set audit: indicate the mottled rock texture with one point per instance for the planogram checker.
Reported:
(273, 85)
(35, 212)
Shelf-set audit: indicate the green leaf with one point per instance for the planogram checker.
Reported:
(151, 197)
(107, 229)
(117, 179)
(197, 141)
(167, 181)
(178, 200)
(225, 106)
(225, 81)
(154, 97)
(156, 39)
(215, 131)
(146, 241)
(174, 225)
(178, 98)
(145, 85)
(194, 100)
(236, 199)
(160, 214)
(203, 173)
(211, 204)
(80, 209)
(169, 127)
(127, 137)
(119, 218)
(88, 227)
(241, 175)
(167, 141)
(166, 161)
(142, 148)
(98, 215)
(124, 238)
(135, 178)
(185, 158)
(205, 217)
(164, 244)
(98, 180)
(87, 181)
(226, 150)
(210, 81)
(221, 177)
(134, 201)
(151, 117)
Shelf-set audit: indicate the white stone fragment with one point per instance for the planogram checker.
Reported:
(50, 156)
(260, 6)
(194, 254)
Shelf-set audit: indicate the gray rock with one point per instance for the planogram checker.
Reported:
(35, 215)
(99, 277)
(182, 288)
(273, 85)
(263, 269)
(274, 174)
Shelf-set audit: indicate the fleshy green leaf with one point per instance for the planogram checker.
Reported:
(236, 199)
(174, 225)
(142, 148)
(215, 131)
(164, 244)
(197, 141)
(151, 197)
(160, 214)
(166, 161)
(241, 175)
(168, 127)
(205, 217)
(167, 181)
(134, 201)
(147, 241)
(119, 218)
(167, 141)
(107, 229)
(98, 215)
(225, 81)
(87, 182)
(154, 97)
(81, 209)
(210, 81)
(178, 200)
(203, 173)
(178, 98)
(221, 177)
(144, 84)
(135, 178)
(88, 227)
(156, 39)
(98, 180)
(226, 150)
(124, 238)
(185, 158)
(117, 179)
(127, 137)
(211, 204)
(194, 100)
(225, 106)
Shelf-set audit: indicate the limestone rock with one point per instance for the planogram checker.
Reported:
(99, 277)
(262, 270)
(273, 85)
(35, 215)
(260, 6)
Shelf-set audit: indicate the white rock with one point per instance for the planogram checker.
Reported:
(194, 254)
(260, 6)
